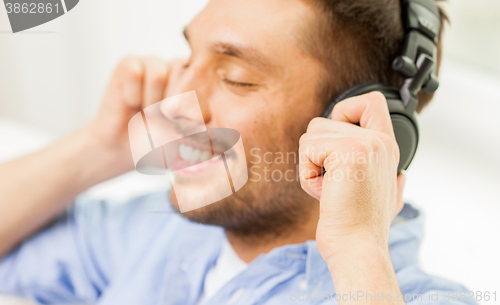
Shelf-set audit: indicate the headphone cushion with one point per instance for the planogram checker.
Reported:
(407, 138)
(405, 126)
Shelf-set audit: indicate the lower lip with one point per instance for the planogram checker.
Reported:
(185, 167)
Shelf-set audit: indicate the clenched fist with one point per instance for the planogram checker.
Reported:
(352, 171)
(97, 152)
(136, 84)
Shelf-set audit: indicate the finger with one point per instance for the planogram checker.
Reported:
(310, 164)
(401, 183)
(175, 69)
(321, 125)
(318, 151)
(155, 80)
(129, 74)
(327, 150)
(369, 110)
(311, 179)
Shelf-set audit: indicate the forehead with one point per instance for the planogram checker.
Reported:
(273, 27)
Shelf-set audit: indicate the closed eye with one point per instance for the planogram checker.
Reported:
(238, 84)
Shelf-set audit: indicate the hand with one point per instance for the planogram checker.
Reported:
(360, 192)
(93, 154)
(136, 84)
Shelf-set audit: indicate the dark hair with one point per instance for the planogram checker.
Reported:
(358, 40)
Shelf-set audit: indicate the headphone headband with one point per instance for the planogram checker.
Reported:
(422, 25)
(389, 92)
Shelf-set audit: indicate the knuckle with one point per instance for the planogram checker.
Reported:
(383, 142)
(378, 144)
(131, 68)
(391, 144)
(358, 146)
(368, 144)
(156, 73)
(314, 124)
(377, 97)
(386, 139)
(303, 139)
(158, 78)
(361, 146)
(377, 100)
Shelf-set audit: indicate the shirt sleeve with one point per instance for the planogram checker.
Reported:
(75, 258)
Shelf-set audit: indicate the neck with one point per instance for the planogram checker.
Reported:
(249, 247)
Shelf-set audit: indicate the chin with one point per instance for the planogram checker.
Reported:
(257, 209)
(187, 197)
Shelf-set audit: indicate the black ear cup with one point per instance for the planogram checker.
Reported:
(407, 138)
(404, 122)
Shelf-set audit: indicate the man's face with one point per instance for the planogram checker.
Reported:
(251, 73)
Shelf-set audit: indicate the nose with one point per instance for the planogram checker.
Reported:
(189, 108)
(184, 112)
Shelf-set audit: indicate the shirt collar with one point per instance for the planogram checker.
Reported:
(405, 237)
(404, 242)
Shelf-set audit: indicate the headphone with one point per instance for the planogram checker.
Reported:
(421, 21)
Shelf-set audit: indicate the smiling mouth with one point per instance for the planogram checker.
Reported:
(199, 152)
(193, 159)
(193, 155)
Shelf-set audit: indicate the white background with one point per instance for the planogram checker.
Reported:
(52, 77)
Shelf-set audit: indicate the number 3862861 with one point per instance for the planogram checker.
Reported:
(32, 8)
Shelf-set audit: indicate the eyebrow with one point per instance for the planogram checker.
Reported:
(241, 51)
(246, 53)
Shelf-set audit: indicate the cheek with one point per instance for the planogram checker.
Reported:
(246, 114)
(263, 120)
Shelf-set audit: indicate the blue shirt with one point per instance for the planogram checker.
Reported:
(142, 252)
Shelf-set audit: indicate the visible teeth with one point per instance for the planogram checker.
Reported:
(195, 156)
(205, 156)
(185, 152)
(182, 150)
(188, 153)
